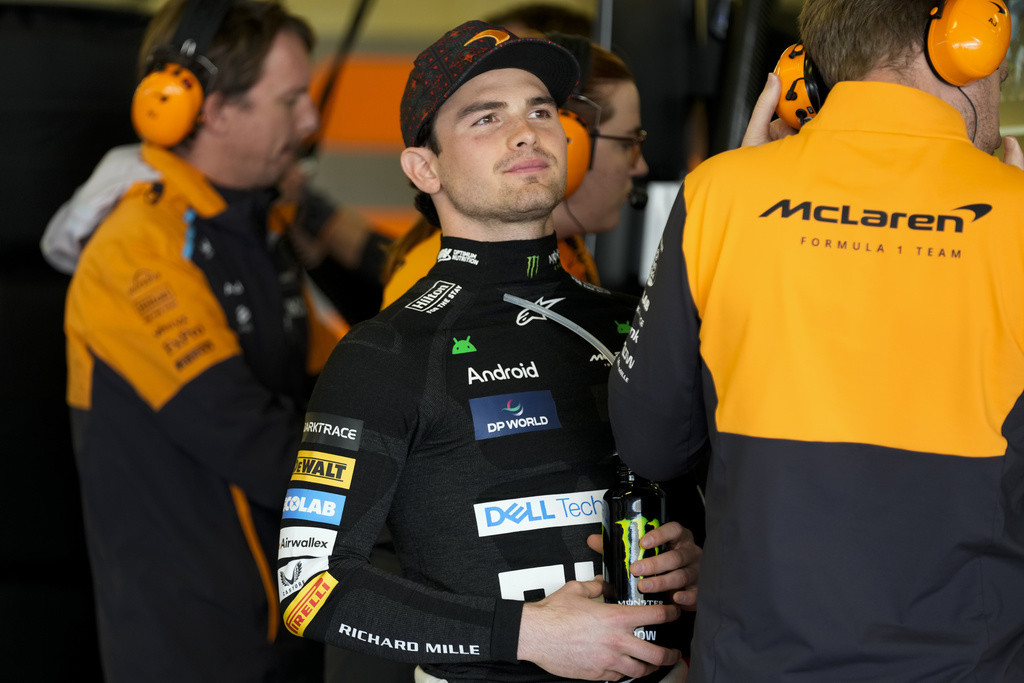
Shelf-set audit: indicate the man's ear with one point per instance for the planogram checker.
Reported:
(212, 117)
(420, 165)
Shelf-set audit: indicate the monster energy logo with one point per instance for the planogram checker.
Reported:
(632, 530)
(532, 262)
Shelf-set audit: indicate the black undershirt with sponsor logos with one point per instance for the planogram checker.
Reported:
(478, 431)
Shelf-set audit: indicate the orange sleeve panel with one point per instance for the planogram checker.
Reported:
(141, 306)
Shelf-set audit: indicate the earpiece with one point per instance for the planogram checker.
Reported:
(966, 40)
(803, 91)
(168, 102)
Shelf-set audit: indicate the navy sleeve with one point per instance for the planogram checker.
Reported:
(655, 388)
(243, 431)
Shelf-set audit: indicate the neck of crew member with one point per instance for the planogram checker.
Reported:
(977, 103)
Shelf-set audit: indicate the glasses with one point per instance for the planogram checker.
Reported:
(634, 143)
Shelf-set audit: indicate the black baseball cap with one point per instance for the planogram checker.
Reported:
(469, 50)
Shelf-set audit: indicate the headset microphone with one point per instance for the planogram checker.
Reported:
(638, 197)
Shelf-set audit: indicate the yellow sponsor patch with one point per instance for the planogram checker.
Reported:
(324, 468)
(308, 602)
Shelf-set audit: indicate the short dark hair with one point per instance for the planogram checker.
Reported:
(239, 46)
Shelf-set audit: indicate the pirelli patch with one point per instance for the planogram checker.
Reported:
(308, 602)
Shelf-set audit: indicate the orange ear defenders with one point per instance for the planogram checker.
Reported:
(580, 146)
(966, 40)
(168, 101)
(803, 91)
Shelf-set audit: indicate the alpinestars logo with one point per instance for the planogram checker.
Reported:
(876, 218)
(526, 316)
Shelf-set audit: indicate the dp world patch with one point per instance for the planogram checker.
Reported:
(507, 414)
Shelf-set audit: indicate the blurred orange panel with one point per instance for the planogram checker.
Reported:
(363, 114)
(389, 221)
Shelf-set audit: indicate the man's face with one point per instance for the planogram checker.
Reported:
(266, 126)
(502, 149)
(984, 94)
(605, 189)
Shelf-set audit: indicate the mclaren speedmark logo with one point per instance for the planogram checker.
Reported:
(844, 214)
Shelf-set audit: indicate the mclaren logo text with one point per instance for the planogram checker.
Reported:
(875, 218)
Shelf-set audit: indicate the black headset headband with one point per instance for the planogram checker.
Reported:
(200, 21)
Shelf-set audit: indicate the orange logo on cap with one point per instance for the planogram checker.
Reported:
(499, 36)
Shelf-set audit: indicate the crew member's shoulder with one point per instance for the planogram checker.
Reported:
(143, 223)
(993, 172)
(745, 161)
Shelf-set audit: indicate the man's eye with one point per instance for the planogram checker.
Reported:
(542, 114)
(485, 119)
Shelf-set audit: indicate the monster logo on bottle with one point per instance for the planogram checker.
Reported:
(632, 530)
(633, 507)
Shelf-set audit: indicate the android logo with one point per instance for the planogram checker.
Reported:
(462, 346)
(623, 328)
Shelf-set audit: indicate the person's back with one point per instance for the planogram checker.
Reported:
(860, 322)
(866, 327)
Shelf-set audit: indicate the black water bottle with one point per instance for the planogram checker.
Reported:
(632, 507)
